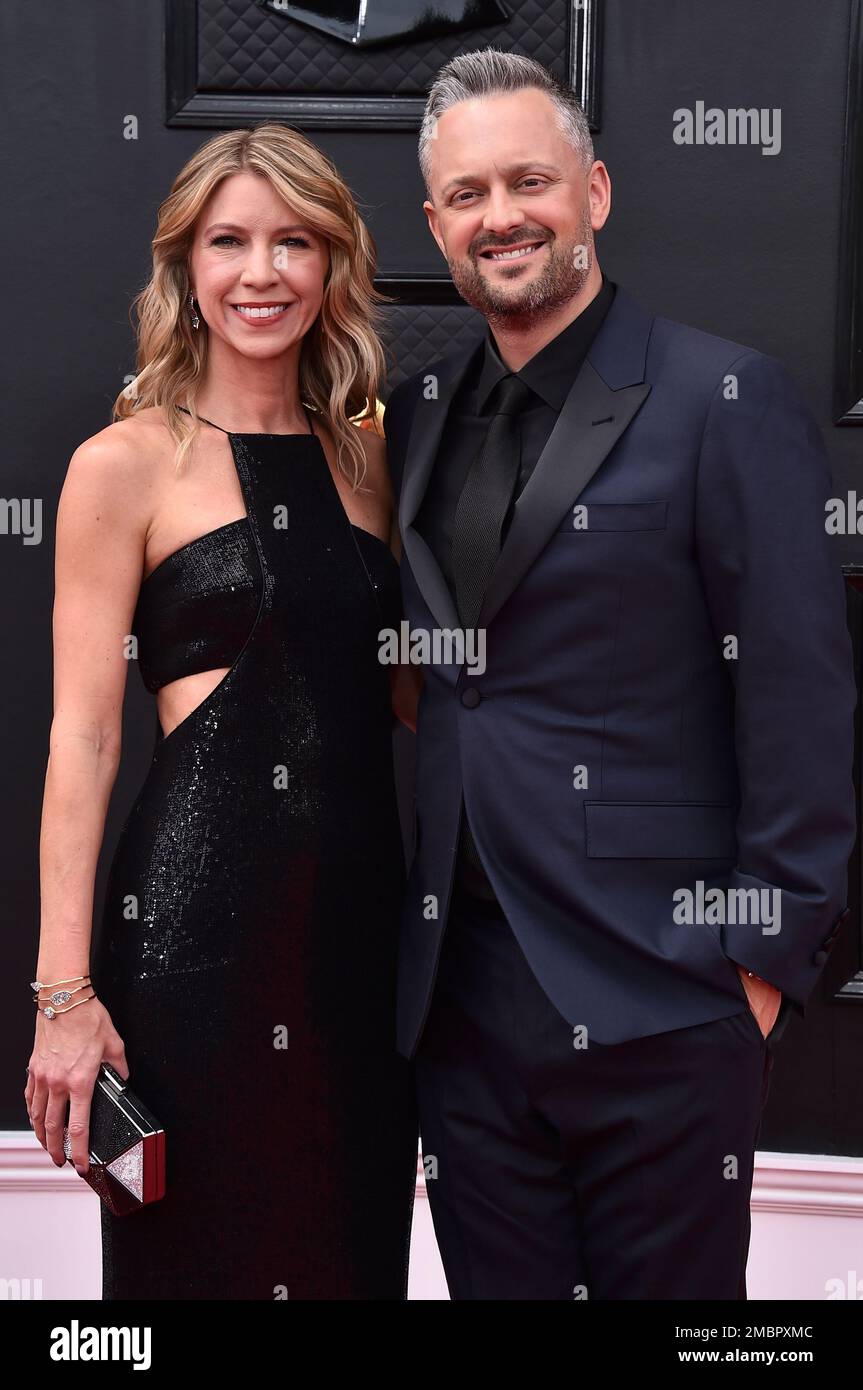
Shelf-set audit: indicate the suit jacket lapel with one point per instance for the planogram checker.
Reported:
(602, 401)
(420, 452)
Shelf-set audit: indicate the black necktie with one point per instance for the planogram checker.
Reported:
(485, 500)
(481, 511)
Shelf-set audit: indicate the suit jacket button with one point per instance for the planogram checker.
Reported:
(820, 958)
(470, 697)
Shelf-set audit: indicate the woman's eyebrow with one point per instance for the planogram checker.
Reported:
(234, 227)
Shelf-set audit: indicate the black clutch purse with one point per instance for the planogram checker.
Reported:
(127, 1146)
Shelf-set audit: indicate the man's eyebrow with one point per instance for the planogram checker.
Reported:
(509, 170)
(235, 227)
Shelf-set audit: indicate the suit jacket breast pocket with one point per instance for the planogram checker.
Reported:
(584, 517)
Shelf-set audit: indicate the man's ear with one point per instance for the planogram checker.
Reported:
(434, 225)
(599, 194)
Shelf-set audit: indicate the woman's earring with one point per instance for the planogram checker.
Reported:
(196, 322)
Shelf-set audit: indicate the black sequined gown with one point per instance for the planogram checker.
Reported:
(248, 944)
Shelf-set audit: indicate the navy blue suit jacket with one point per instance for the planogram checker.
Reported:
(668, 697)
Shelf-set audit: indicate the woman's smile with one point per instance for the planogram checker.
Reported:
(258, 314)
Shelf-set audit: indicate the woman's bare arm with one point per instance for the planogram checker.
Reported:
(98, 563)
(102, 523)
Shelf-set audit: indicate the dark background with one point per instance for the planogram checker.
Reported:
(735, 242)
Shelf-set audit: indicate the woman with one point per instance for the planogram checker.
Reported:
(230, 530)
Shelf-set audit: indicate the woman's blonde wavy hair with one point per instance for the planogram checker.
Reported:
(341, 359)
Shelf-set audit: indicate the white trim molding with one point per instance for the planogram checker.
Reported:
(806, 1243)
(808, 1185)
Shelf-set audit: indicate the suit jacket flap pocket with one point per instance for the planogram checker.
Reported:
(615, 516)
(660, 830)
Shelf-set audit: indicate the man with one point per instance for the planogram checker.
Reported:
(634, 816)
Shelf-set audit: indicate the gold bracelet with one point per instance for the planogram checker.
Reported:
(42, 984)
(52, 1013)
(61, 996)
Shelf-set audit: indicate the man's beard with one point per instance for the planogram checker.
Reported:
(560, 280)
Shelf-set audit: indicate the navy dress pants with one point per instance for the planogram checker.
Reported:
(556, 1172)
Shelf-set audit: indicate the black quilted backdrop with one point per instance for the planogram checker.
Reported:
(243, 48)
(414, 335)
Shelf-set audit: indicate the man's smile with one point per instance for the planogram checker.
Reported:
(511, 253)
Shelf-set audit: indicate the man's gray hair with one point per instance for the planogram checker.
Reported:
(490, 72)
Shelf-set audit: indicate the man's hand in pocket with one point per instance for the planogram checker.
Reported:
(764, 999)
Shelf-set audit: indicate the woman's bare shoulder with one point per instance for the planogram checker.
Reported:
(145, 430)
(122, 456)
(374, 449)
(115, 474)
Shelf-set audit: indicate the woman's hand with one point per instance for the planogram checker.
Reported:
(67, 1053)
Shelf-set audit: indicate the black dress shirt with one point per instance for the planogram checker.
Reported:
(549, 374)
